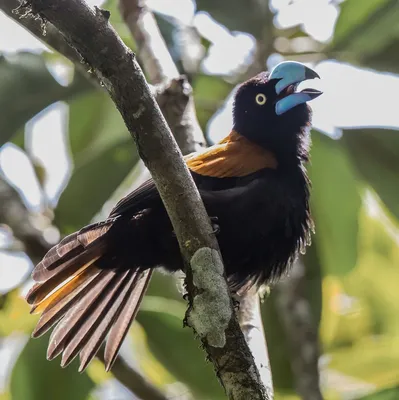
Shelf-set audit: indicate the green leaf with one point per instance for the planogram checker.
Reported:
(375, 153)
(277, 344)
(238, 15)
(176, 348)
(366, 33)
(103, 153)
(14, 315)
(210, 93)
(27, 87)
(387, 394)
(335, 203)
(35, 378)
(92, 184)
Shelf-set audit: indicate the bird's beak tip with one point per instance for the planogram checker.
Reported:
(311, 74)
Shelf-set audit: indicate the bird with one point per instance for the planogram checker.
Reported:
(255, 189)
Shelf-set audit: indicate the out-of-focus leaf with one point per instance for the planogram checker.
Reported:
(183, 42)
(373, 360)
(335, 203)
(35, 378)
(367, 33)
(147, 362)
(277, 345)
(14, 315)
(86, 120)
(103, 153)
(27, 87)
(166, 285)
(94, 125)
(375, 153)
(209, 94)
(237, 15)
(387, 394)
(92, 183)
(117, 22)
(374, 280)
(176, 348)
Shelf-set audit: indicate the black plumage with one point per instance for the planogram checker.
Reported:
(254, 182)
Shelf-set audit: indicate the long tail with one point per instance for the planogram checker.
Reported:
(86, 301)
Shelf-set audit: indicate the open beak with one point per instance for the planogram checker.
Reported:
(289, 74)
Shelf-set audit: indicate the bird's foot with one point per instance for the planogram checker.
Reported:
(236, 303)
(215, 225)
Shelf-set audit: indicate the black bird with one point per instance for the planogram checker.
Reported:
(253, 181)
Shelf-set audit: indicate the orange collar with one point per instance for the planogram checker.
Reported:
(234, 156)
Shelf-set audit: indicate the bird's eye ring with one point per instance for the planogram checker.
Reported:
(260, 99)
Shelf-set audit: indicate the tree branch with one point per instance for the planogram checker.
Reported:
(52, 37)
(133, 380)
(14, 214)
(211, 311)
(158, 65)
(301, 333)
(160, 68)
(185, 129)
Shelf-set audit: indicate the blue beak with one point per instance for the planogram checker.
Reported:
(289, 75)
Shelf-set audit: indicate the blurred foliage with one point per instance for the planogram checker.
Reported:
(367, 34)
(27, 87)
(40, 380)
(352, 267)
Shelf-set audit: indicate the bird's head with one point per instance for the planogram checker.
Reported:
(270, 111)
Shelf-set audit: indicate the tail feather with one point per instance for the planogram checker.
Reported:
(45, 301)
(59, 336)
(59, 303)
(85, 288)
(125, 318)
(96, 339)
(88, 324)
(50, 281)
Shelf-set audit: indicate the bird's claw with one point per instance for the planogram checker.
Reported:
(236, 304)
(215, 225)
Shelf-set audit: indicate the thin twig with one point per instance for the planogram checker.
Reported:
(251, 324)
(159, 66)
(129, 377)
(14, 214)
(115, 65)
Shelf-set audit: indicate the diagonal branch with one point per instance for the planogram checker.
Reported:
(115, 65)
(53, 38)
(133, 380)
(14, 214)
(251, 324)
(149, 41)
(159, 66)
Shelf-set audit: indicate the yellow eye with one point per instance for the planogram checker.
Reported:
(260, 99)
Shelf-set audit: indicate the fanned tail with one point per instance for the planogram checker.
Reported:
(88, 294)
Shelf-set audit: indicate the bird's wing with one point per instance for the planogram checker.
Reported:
(233, 157)
(134, 201)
